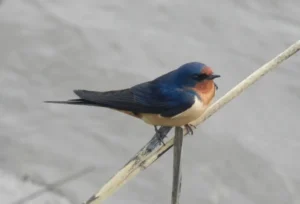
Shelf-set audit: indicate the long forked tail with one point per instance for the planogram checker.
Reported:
(84, 98)
(75, 102)
(120, 99)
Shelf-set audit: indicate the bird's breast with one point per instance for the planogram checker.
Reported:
(206, 91)
(180, 119)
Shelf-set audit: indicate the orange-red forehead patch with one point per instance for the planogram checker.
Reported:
(207, 70)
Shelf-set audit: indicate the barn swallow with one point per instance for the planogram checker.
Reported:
(173, 99)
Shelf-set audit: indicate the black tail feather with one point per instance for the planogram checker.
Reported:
(116, 99)
(74, 102)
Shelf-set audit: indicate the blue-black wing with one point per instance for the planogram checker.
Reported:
(147, 97)
(162, 99)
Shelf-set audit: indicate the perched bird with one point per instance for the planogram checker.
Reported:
(173, 99)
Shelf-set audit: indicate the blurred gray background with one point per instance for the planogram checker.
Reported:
(247, 153)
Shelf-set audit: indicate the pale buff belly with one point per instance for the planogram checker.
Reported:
(181, 119)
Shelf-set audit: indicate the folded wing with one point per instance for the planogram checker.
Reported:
(143, 98)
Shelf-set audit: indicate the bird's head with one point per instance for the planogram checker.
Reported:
(198, 77)
(193, 74)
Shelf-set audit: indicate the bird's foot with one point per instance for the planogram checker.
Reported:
(189, 128)
(159, 135)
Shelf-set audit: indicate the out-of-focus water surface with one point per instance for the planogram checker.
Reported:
(247, 153)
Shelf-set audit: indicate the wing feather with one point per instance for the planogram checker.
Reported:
(143, 98)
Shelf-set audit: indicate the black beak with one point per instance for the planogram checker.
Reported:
(213, 76)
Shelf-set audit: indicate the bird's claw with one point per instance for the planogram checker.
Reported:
(160, 137)
(189, 128)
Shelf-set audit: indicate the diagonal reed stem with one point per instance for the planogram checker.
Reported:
(177, 175)
(150, 152)
(129, 169)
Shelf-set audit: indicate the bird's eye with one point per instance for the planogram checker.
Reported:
(195, 76)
